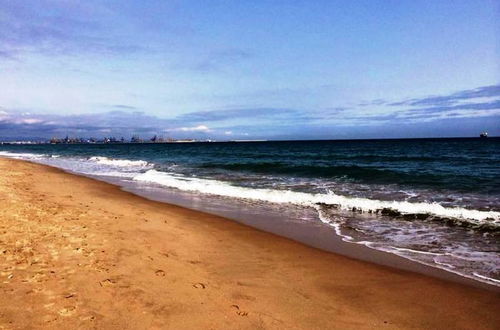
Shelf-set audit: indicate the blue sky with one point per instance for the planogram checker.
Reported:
(249, 69)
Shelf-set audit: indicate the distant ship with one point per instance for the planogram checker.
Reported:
(483, 135)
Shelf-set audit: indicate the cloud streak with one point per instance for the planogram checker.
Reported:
(67, 28)
(486, 91)
(483, 102)
(471, 103)
(230, 114)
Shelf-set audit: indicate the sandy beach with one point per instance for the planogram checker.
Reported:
(79, 253)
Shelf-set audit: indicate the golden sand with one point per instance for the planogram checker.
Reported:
(79, 253)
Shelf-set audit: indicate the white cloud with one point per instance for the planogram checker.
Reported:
(199, 128)
(30, 121)
(3, 115)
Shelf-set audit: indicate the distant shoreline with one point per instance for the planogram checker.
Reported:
(258, 141)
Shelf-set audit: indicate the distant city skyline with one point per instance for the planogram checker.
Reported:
(249, 70)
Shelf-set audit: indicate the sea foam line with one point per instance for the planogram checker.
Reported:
(119, 162)
(23, 155)
(221, 188)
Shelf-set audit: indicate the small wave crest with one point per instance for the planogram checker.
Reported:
(407, 210)
(119, 162)
(21, 155)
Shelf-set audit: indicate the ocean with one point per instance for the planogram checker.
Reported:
(432, 201)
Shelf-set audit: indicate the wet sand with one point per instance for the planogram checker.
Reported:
(80, 253)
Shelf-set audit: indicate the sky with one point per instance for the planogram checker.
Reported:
(249, 69)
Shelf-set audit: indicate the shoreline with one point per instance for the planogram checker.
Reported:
(318, 236)
(74, 243)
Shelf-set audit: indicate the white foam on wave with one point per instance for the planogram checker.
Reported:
(412, 255)
(406, 253)
(119, 162)
(131, 169)
(488, 279)
(100, 166)
(21, 155)
(125, 175)
(221, 188)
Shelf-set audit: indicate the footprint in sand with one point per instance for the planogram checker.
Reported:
(164, 254)
(194, 262)
(88, 318)
(67, 311)
(199, 286)
(238, 311)
(107, 282)
(49, 318)
(160, 272)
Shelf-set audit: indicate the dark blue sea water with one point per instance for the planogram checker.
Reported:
(435, 201)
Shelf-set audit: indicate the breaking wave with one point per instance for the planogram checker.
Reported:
(488, 220)
(22, 155)
(119, 162)
(437, 208)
